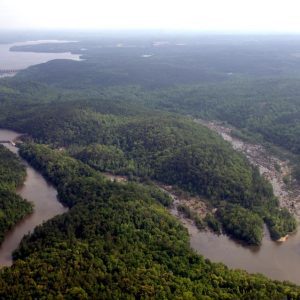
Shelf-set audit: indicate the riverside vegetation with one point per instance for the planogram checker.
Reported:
(159, 146)
(107, 114)
(12, 207)
(117, 241)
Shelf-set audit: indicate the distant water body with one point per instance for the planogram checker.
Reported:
(35, 189)
(278, 261)
(18, 60)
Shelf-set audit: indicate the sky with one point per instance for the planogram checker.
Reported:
(199, 15)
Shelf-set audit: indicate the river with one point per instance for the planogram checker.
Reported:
(276, 260)
(279, 261)
(36, 190)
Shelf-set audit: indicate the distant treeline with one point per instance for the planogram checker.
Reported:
(121, 113)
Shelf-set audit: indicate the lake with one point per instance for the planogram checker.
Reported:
(22, 60)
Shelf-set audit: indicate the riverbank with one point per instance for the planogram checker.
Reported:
(37, 191)
(276, 260)
(273, 168)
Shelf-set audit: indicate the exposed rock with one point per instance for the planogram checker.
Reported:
(288, 195)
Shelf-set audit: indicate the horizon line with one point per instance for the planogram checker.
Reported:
(156, 30)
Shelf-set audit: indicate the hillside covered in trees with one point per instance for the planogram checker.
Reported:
(120, 112)
(148, 144)
(251, 82)
(117, 241)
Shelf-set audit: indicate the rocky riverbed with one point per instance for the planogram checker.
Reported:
(276, 170)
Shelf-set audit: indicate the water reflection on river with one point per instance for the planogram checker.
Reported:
(36, 190)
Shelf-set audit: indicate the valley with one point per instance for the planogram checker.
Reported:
(110, 137)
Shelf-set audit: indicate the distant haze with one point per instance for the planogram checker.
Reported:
(209, 15)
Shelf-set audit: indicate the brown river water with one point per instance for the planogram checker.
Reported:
(279, 261)
(36, 190)
(276, 260)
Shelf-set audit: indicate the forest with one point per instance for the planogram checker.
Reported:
(12, 207)
(119, 112)
(251, 82)
(149, 144)
(117, 242)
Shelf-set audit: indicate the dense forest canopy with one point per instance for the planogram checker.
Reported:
(126, 110)
(117, 241)
(219, 77)
(147, 143)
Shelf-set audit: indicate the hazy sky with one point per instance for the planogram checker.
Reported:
(215, 15)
